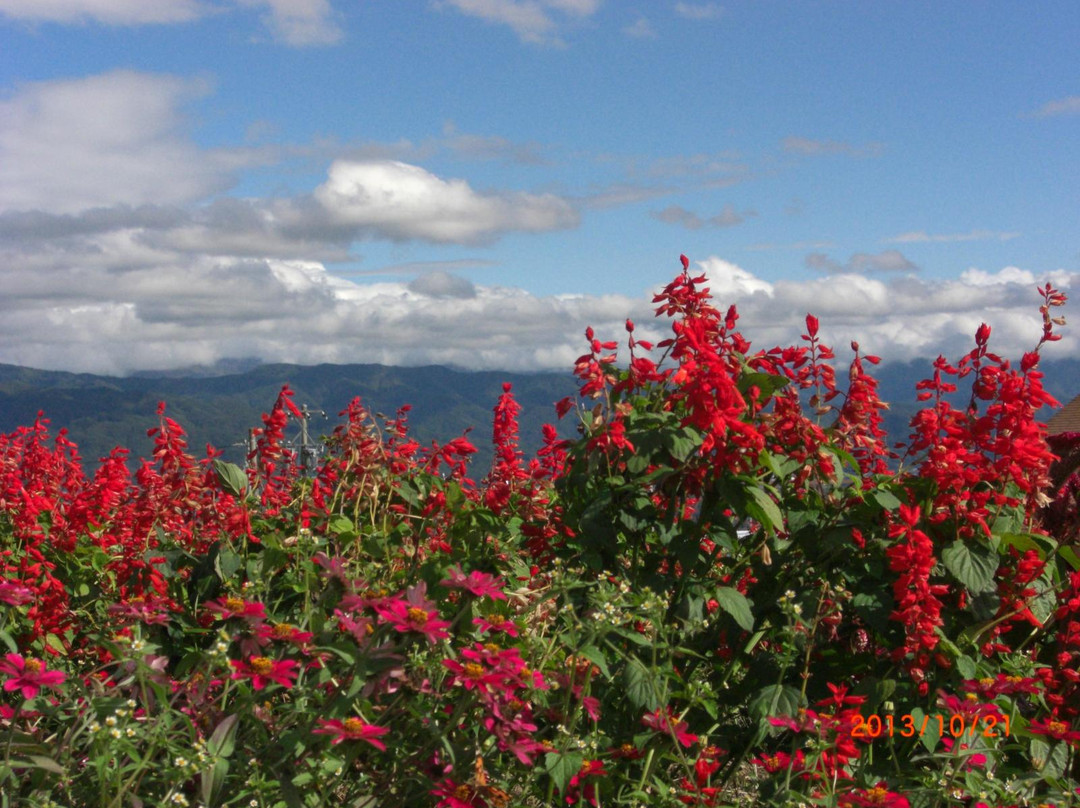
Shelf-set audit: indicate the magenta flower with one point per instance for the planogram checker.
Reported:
(14, 594)
(148, 609)
(405, 618)
(226, 607)
(28, 675)
(352, 729)
(263, 670)
(660, 721)
(284, 633)
(478, 583)
(495, 623)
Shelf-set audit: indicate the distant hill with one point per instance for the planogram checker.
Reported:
(217, 407)
(101, 412)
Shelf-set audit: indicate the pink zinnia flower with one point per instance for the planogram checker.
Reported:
(478, 583)
(496, 622)
(660, 721)
(283, 632)
(263, 670)
(352, 729)
(28, 675)
(406, 618)
(232, 606)
(150, 609)
(15, 594)
(1052, 727)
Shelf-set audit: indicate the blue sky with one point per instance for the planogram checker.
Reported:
(473, 182)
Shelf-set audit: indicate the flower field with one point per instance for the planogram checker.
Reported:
(731, 589)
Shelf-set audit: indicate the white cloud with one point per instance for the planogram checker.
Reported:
(531, 20)
(115, 138)
(300, 23)
(922, 237)
(1061, 106)
(117, 306)
(110, 12)
(401, 202)
(699, 11)
(886, 261)
(730, 282)
(676, 214)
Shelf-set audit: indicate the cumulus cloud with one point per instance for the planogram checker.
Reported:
(728, 217)
(532, 20)
(402, 202)
(110, 12)
(806, 147)
(699, 11)
(113, 139)
(299, 23)
(730, 281)
(922, 237)
(443, 284)
(110, 303)
(886, 261)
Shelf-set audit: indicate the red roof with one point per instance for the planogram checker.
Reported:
(1067, 419)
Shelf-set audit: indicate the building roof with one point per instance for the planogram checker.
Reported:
(1067, 419)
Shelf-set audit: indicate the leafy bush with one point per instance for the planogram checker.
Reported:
(731, 589)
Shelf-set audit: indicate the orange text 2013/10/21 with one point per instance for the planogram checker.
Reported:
(907, 725)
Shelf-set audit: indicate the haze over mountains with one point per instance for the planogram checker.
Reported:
(218, 405)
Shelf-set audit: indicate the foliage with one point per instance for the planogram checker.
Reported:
(730, 589)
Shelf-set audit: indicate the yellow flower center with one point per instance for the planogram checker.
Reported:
(877, 795)
(492, 648)
(473, 670)
(1057, 727)
(282, 631)
(971, 697)
(418, 616)
(34, 666)
(986, 682)
(234, 605)
(353, 724)
(496, 619)
(463, 792)
(261, 665)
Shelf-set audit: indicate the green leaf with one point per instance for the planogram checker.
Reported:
(1069, 554)
(223, 740)
(1057, 762)
(596, 656)
(974, 567)
(227, 563)
(734, 602)
(682, 444)
(886, 500)
(766, 512)
(639, 685)
(231, 478)
(966, 666)
(41, 762)
(931, 735)
(341, 524)
(771, 701)
(562, 766)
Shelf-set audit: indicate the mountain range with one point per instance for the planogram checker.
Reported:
(219, 405)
